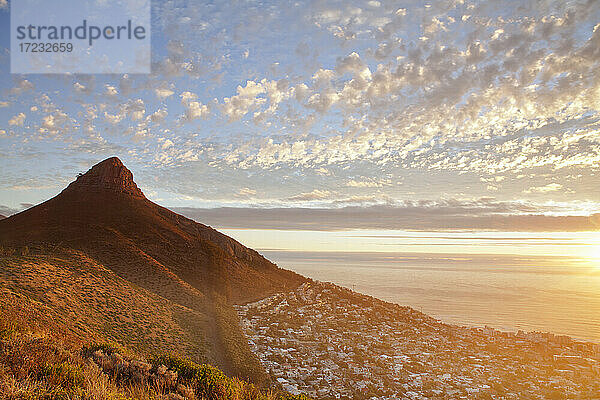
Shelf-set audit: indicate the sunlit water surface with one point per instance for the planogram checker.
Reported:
(511, 281)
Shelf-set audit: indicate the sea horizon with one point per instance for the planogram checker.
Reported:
(506, 281)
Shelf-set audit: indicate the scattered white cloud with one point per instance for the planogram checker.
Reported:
(166, 144)
(17, 120)
(53, 123)
(193, 109)
(551, 187)
(79, 87)
(316, 194)
(247, 98)
(368, 183)
(21, 87)
(159, 115)
(419, 95)
(163, 93)
(135, 109)
(113, 118)
(110, 90)
(245, 193)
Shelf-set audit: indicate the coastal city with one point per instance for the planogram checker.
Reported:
(326, 341)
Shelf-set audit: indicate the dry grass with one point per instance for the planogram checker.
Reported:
(36, 365)
(53, 307)
(83, 299)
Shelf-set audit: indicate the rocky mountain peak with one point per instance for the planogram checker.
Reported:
(108, 175)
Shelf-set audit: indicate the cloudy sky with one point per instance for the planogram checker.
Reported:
(478, 114)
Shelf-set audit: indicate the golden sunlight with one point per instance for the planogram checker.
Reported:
(592, 251)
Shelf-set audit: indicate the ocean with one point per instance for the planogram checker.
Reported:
(510, 281)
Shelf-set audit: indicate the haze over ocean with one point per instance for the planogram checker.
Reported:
(510, 281)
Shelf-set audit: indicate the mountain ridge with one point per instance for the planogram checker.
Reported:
(105, 203)
(104, 217)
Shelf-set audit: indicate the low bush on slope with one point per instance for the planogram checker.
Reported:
(35, 365)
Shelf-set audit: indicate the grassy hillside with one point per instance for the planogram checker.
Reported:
(235, 344)
(83, 299)
(36, 365)
(100, 260)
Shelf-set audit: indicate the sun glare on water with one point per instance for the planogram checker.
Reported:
(592, 251)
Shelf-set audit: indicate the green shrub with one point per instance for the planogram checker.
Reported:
(66, 375)
(207, 381)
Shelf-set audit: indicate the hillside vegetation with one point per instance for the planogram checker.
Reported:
(100, 261)
(37, 365)
(83, 299)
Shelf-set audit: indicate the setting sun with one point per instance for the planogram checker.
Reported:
(593, 253)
